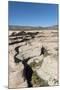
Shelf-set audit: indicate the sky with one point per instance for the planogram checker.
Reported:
(32, 14)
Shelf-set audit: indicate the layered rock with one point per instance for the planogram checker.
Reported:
(29, 45)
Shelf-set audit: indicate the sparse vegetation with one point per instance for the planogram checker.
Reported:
(37, 81)
(34, 64)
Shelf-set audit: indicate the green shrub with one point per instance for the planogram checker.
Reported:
(37, 81)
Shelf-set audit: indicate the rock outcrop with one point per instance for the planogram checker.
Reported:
(26, 46)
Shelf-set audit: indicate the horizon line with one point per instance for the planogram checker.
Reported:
(34, 25)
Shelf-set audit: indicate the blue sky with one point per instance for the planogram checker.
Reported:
(32, 14)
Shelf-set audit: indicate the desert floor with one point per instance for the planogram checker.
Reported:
(28, 66)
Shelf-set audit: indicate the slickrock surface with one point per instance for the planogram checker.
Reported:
(26, 45)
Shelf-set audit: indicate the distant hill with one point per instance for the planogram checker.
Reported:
(52, 27)
(11, 27)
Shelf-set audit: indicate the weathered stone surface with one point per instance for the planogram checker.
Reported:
(29, 48)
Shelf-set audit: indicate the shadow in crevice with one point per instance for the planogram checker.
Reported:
(27, 71)
(15, 42)
(15, 38)
(16, 60)
(23, 36)
(21, 33)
